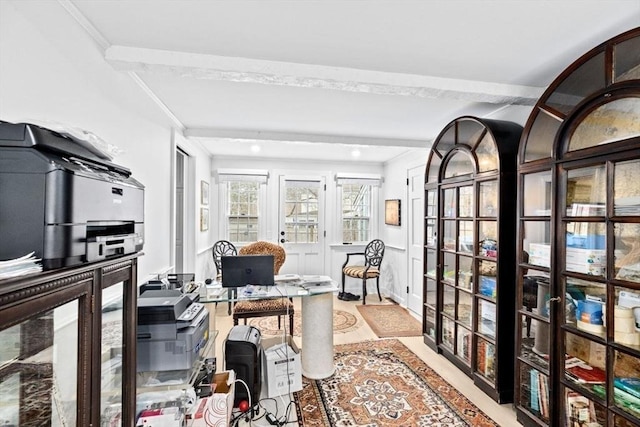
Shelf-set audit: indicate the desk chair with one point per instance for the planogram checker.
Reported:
(268, 306)
(222, 248)
(373, 253)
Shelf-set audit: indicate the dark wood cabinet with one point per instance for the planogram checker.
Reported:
(68, 346)
(469, 259)
(578, 322)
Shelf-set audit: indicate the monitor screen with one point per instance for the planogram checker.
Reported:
(242, 270)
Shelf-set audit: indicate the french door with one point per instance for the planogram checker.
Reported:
(302, 224)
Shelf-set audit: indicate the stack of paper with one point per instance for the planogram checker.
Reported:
(20, 266)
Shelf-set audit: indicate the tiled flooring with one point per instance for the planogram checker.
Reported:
(504, 414)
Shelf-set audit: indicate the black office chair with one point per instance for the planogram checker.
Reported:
(222, 248)
(373, 253)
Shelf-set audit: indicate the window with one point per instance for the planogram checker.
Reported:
(358, 196)
(242, 195)
(243, 209)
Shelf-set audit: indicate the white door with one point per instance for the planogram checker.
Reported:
(415, 239)
(302, 224)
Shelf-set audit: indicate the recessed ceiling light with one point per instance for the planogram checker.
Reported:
(355, 153)
(255, 148)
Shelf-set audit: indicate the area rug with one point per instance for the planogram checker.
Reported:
(382, 383)
(390, 320)
(343, 322)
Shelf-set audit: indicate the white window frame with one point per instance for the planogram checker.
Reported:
(375, 181)
(225, 176)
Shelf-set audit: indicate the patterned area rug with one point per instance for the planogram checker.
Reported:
(390, 320)
(342, 322)
(382, 383)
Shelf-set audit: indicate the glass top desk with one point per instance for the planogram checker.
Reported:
(316, 352)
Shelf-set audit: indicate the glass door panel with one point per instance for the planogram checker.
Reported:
(488, 237)
(431, 263)
(465, 237)
(485, 359)
(535, 342)
(585, 305)
(627, 252)
(585, 248)
(537, 189)
(430, 322)
(449, 235)
(463, 349)
(534, 392)
(431, 204)
(586, 191)
(582, 411)
(465, 209)
(626, 191)
(449, 301)
(430, 231)
(448, 332)
(449, 203)
(112, 351)
(585, 362)
(626, 383)
(626, 318)
(465, 273)
(488, 199)
(486, 318)
(431, 292)
(537, 243)
(449, 268)
(465, 309)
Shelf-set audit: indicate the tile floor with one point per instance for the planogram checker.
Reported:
(504, 414)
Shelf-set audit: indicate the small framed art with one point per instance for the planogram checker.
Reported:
(204, 219)
(204, 192)
(392, 212)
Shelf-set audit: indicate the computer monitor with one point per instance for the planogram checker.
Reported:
(242, 270)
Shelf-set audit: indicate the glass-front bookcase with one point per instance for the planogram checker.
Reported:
(578, 331)
(469, 250)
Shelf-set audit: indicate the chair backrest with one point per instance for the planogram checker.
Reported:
(266, 248)
(220, 249)
(373, 253)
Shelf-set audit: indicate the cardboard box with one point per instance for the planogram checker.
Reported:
(598, 257)
(215, 410)
(281, 366)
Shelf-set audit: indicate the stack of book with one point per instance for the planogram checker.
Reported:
(539, 394)
(626, 393)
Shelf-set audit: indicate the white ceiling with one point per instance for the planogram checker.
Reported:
(320, 79)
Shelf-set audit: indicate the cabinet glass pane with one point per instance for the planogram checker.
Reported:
(626, 188)
(537, 194)
(111, 354)
(535, 292)
(431, 263)
(626, 317)
(465, 237)
(431, 292)
(432, 203)
(487, 285)
(585, 80)
(487, 318)
(581, 411)
(487, 153)
(586, 191)
(488, 236)
(446, 141)
(434, 168)
(536, 243)
(488, 199)
(449, 301)
(430, 232)
(449, 235)
(627, 252)
(469, 132)
(585, 252)
(585, 305)
(449, 268)
(430, 323)
(465, 272)
(535, 342)
(534, 392)
(448, 329)
(466, 202)
(459, 164)
(585, 361)
(39, 365)
(485, 359)
(615, 121)
(626, 383)
(464, 345)
(465, 305)
(541, 137)
(627, 61)
(618, 421)
(449, 203)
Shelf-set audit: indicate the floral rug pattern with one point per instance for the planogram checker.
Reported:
(343, 322)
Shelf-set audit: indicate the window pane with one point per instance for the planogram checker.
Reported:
(356, 212)
(242, 217)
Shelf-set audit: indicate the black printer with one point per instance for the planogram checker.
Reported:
(63, 200)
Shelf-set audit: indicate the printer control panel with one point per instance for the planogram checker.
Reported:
(191, 312)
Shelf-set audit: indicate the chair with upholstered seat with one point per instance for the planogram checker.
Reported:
(373, 254)
(222, 248)
(268, 306)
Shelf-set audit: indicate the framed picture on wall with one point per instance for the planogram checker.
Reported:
(204, 192)
(204, 219)
(392, 212)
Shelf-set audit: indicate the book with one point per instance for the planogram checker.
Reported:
(629, 385)
(585, 374)
(535, 397)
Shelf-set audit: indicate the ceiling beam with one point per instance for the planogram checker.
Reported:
(257, 135)
(245, 70)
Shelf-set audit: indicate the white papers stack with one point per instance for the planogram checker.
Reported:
(316, 280)
(20, 266)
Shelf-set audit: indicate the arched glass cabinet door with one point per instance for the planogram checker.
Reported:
(578, 346)
(468, 168)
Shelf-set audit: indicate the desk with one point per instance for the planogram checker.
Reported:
(317, 319)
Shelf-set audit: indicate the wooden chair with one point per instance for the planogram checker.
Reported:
(222, 248)
(267, 306)
(373, 253)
